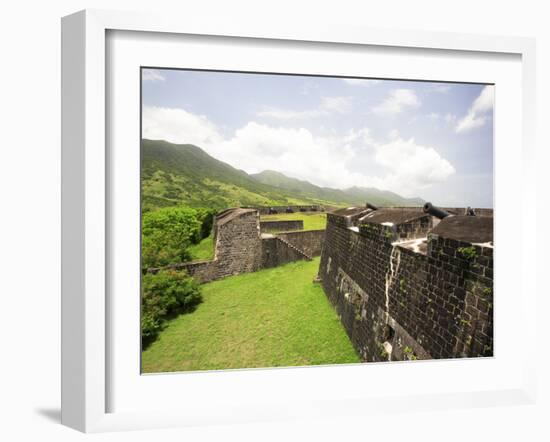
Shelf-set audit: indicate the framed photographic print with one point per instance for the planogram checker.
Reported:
(268, 197)
(270, 223)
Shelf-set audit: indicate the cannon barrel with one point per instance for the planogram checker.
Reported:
(435, 211)
(470, 212)
(371, 206)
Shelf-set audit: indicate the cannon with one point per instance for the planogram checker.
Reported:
(371, 206)
(435, 211)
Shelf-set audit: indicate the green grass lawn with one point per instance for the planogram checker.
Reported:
(204, 250)
(271, 318)
(312, 221)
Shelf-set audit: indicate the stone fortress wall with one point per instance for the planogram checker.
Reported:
(266, 210)
(241, 246)
(407, 285)
(281, 225)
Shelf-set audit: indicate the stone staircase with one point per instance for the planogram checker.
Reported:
(296, 249)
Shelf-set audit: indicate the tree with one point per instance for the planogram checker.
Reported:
(166, 235)
(165, 293)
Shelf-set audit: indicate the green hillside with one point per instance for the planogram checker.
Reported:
(352, 196)
(184, 174)
(174, 174)
(382, 197)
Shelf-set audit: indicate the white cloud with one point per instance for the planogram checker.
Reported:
(478, 113)
(178, 126)
(295, 152)
(328, 105)
(360, 82)
(394, 133)
(340, 105)
(434, 116)
(485, 101)
(287, 114)
(411, 167)
(450, 118)
(470, 121)
(403, 166)
(356, 137)
(152, 75)
(442, 88)
(398, 100)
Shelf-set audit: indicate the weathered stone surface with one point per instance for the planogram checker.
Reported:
(425, 302)
(309, 241)
(472, 229)
(276, 252)
(282, 225)
(241, 248)
(290, 209)
(238, 247)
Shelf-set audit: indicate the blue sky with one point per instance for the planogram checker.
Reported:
(426, 139)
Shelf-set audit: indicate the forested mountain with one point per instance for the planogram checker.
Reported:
(184, 174)
(351, 196)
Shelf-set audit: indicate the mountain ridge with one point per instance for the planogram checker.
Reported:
(353, 195)
(175, 174)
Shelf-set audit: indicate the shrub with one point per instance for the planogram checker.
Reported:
(166, 235)
(163, 294)
(468, 253)
(206, 218)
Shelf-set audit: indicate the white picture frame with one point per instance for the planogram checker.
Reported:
(86, 353)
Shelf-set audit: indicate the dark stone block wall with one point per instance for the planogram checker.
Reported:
(238, 248)
(399, 304)
(238, 245)
(415, 228)
(281, 226)
(276, 252)
(203, 271)
(461, 211)
(309, 241)
(264, 210)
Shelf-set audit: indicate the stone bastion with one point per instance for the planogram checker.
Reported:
(407, 285)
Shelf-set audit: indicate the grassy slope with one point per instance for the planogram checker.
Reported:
(312, 221)
(271, 318)
(204, 250)
(183, 174)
